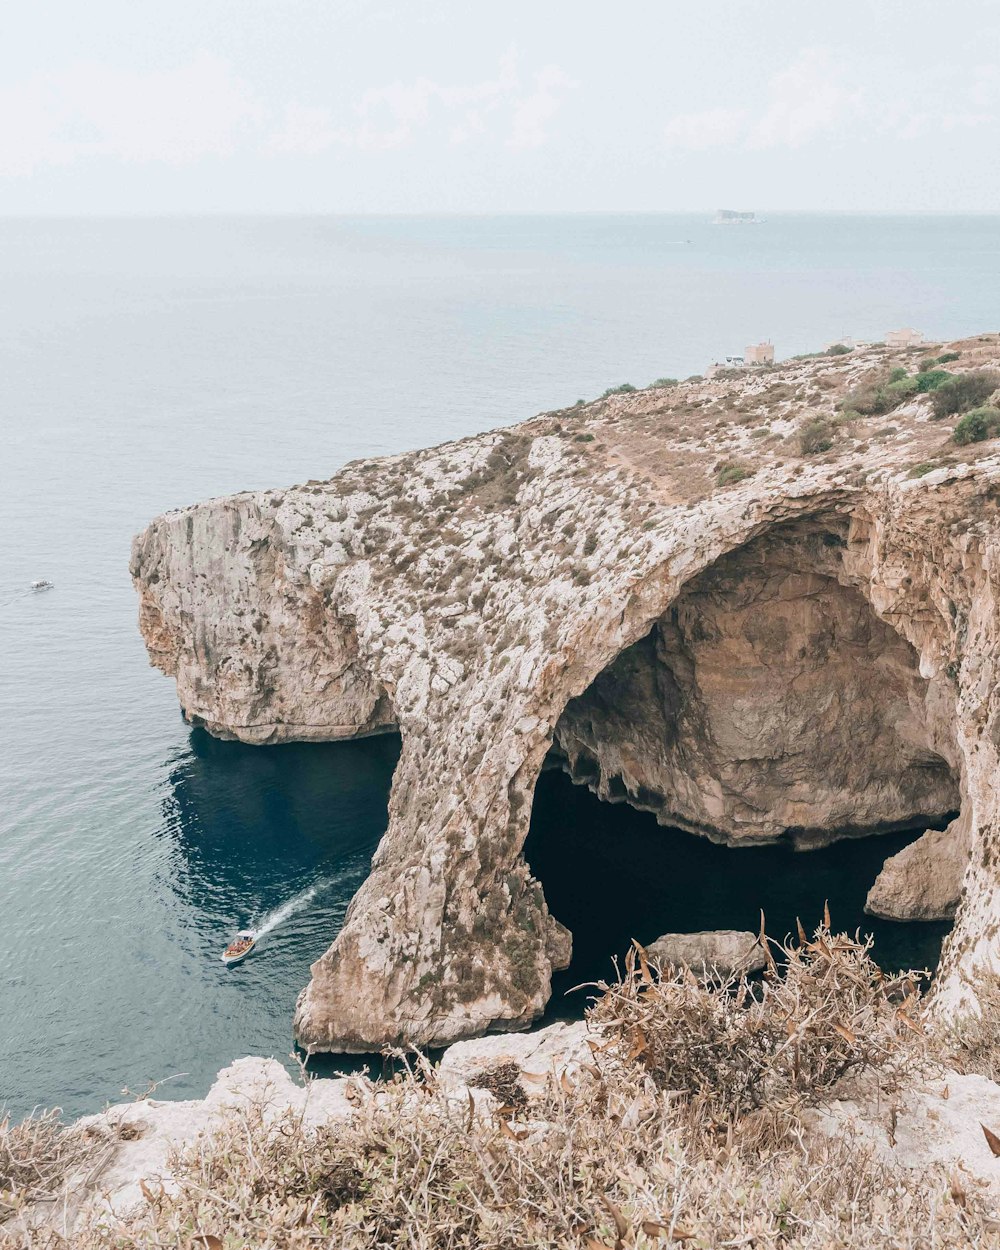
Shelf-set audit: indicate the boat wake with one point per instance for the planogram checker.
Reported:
(279, 915)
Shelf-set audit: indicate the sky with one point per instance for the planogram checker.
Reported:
(349, 106)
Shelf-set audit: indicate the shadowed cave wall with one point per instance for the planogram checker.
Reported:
(769, 702)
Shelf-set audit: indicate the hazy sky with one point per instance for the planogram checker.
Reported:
(451, 105)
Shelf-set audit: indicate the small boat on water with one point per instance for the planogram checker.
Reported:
(241, 946)
(41, 583)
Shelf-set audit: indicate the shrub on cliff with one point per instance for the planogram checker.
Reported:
(626, 388)
(977, 426)
(876, 398)
(732, 471)
(816, 436)
(681, 1128)
(928, 380)
(964, 391)
(823, 1013)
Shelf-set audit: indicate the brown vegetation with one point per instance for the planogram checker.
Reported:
(684, 1129)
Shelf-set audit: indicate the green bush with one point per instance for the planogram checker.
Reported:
(662, 383)
(732, 472)
(978, 425)
(963, 392)
(904, 388)
(878, 397)
(626, 388)
(839, 349)
(816, 436)
(947, 358)
(928, 380)
(846, 416)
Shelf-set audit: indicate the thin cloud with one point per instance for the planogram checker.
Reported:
(173, 116)
(818, 97)
(532, 114)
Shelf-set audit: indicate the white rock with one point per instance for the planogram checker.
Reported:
(722, 951)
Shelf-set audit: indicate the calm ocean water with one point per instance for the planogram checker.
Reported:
(147, 364)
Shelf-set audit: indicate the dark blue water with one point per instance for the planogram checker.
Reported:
(147, 364)
(612, 874)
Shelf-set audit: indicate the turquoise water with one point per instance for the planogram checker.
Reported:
(147, 364)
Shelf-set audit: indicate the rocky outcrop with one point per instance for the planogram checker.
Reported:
(792, 646)
(924, 880)
(717, 952)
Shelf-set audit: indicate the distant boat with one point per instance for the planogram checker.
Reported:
(241, 946)
(42, 583)
(733, 217)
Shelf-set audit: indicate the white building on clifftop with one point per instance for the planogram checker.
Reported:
(907, 337)
(760, 354)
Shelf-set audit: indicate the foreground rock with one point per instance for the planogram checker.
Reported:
(930, 1123)
(722, 952)
(134, 1144)
(807, 652)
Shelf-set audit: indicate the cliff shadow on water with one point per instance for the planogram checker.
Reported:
(611, 874)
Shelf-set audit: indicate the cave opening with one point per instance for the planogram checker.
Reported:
(768, 712)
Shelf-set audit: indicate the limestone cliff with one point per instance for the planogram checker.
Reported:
(691, 601)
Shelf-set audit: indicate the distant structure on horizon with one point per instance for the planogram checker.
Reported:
(845, 340)
(760, 354)
(733, 217)
(907, 337)
(754, 356)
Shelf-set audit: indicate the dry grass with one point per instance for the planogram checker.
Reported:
(35, 1156)
(640, 1148)
(825, 1011)
(972, 1042)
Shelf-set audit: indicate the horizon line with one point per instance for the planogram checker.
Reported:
(154, 215)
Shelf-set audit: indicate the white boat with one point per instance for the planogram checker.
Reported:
(735, 217)
(41, 583)
(241, 946)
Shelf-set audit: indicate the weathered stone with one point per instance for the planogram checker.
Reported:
(769, 701)
(725, 952)
(559, 1049)
(816, 647)
(924, 880)
(923, 1126)
(135, 1142)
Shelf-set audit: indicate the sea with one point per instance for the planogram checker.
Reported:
(149, 363)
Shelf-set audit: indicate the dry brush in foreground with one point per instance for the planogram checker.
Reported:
(688, 1127)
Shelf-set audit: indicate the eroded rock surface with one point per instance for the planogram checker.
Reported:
(924, 880)
(722, 952)
(810, 651)
(769, 701)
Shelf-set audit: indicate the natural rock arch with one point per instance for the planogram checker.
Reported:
(467, 594)
(493, 913)
(768, 702)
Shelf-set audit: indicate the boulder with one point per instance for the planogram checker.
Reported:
(924, 880)
(727, 952)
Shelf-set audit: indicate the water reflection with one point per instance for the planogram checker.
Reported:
(253, 824)
(249, 830)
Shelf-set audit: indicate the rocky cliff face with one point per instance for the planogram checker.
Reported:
(807, 651)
